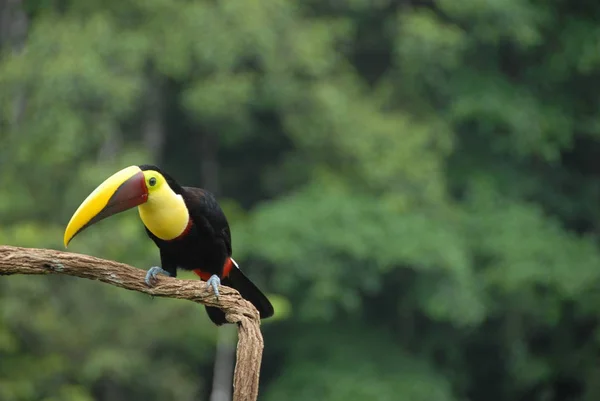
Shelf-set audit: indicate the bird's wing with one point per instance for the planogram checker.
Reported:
(206, 212)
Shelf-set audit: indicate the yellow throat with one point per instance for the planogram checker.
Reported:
(165, 213)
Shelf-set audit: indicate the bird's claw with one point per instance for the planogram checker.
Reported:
(152, 273)
(214, 281)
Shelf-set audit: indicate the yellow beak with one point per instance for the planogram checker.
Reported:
(121, 191)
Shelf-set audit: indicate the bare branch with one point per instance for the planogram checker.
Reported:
(16, 260)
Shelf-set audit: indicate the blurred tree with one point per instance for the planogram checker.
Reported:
(417, 181)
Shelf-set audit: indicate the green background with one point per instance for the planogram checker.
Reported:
(415, 184)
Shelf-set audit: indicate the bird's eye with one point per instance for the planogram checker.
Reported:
(152, 181)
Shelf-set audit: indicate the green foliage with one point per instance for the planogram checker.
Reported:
(415, 185)
(382, 370)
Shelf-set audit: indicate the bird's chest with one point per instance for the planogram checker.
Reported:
(165, 217)
(194, 251)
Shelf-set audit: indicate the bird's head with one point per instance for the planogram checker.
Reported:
(127, 188)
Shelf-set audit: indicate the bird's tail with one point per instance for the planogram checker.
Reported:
(247, 289)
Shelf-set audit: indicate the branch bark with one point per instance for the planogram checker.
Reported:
(17, 260)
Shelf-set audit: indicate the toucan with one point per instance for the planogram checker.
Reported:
(187, 225)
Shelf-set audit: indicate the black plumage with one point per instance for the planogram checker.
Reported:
(205, 247)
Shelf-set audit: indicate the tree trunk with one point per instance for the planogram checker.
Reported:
(209, 164)
(14, 26)
(225, 355)
(153, 126)
(224, 364)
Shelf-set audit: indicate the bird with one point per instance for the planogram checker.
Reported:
(187, 225)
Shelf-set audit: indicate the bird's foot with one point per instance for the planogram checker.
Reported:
(152, 273)
(214, 281)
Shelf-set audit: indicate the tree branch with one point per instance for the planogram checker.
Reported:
(16, 260)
